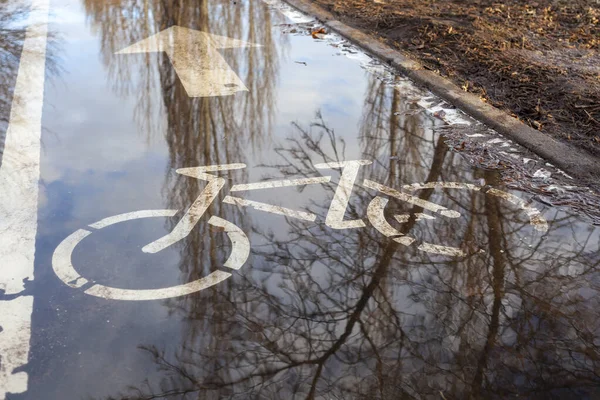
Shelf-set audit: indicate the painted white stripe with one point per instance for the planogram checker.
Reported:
(19, 179)
(436, 208)
(236, 201)
(281, 183)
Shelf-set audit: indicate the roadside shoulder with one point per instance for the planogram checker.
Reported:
(571, 159)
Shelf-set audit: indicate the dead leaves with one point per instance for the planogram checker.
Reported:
(315, 34)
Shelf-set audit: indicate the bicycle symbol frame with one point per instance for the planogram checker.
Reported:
(240, 249)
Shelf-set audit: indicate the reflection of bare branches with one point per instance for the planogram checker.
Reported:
(11, 41)
(345, 314)
(197, 131)
(12, 34)
(149, 75)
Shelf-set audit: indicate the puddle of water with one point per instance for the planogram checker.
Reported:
(314, 311)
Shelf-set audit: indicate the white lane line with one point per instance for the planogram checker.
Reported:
(236, 201)
(281, 183)
(19, 180)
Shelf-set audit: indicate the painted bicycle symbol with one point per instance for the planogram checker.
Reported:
(240, 245)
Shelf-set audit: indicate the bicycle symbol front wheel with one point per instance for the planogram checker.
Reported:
(64, 269)
(376, 208)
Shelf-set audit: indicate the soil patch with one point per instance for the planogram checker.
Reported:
(539, 61)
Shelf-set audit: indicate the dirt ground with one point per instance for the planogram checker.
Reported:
(538, 60)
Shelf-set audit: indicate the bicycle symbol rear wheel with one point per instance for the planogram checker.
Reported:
(64, 269)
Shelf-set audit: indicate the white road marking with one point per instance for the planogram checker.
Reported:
(377, 219)
(61, 259)
(402, 218)
(436, 208)
(280, 183)
(535, 218)
(342, 164)
(440, 185)
(197, 209)
(421, 216)
(200, 67)
(236, 201)
(443, 250)
(240, 245)
(19, 180)
(376, 215)
(15, 317)
(341, 198)
(64, 269)
(190, 219)
(200, 172)
(132, 215)
(158, 294)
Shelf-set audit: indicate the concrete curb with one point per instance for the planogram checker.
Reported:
(569, 158)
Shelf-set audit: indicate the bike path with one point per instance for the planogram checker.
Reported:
(333, 300)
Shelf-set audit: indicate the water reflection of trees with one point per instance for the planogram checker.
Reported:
(197, 131)
(13, 22)
(11, 41)
(150, 76)
(320, 313)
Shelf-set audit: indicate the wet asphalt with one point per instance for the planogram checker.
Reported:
(317, 309)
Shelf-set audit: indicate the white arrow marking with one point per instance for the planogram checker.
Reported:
(200, 67)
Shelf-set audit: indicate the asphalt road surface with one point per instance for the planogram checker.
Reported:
(209, 199)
